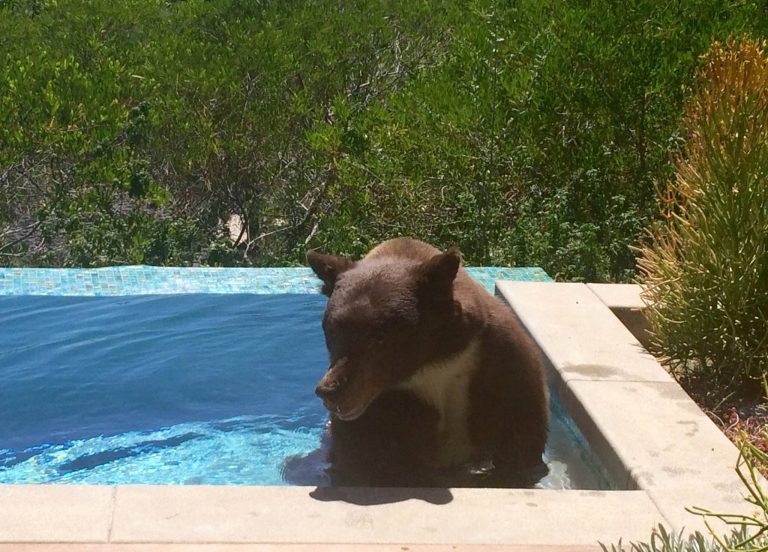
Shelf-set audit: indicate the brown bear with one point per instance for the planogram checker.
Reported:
(432, 380)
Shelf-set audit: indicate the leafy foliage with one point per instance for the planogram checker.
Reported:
(525, 133)
(664, 541)
(707, 266)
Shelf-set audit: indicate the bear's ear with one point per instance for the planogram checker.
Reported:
(328, 268)
(439, 272)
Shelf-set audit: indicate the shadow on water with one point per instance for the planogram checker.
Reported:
(438, 493)
(313, 469)
(307, 470)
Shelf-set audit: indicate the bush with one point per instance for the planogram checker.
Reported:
(526, 133)
(706, 269)
(664, 541)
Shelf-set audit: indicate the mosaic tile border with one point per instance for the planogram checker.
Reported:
(155, 280)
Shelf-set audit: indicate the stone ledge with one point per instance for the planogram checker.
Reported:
(55, 513)
(348, 516)
(625, 301)
(19, 547)
(579, 335)
(648, 432)
(196, 515)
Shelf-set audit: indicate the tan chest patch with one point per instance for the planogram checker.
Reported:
(445, 385)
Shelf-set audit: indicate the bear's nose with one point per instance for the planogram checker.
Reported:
(328, 389)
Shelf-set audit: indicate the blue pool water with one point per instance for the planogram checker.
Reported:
(188, 389)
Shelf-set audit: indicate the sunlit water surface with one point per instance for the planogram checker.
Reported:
(185, 389)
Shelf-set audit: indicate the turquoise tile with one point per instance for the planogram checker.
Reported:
(151, 280)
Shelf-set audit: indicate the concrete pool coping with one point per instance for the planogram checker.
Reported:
(652, 438)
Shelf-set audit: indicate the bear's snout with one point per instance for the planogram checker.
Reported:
(343, 392)
(333, 381)
(328, 389)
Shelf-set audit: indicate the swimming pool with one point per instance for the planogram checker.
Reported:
(181, 388)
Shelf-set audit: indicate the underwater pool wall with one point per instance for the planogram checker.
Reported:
(663, 453)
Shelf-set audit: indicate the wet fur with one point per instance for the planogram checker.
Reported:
(444, 374)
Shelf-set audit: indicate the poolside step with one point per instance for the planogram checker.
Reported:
(648, 432)
(626, 302)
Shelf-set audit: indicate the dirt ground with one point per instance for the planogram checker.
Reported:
(738, 417)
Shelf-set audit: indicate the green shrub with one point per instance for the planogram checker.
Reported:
(706, 269)
(536, 137)
(526, 133)
(663, 541)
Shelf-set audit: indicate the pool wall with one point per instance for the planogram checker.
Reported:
(649, 434)
(161, 280)
(661, 450)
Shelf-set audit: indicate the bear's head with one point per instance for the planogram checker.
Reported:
(385, 319)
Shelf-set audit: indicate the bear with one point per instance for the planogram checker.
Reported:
(432, 382)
